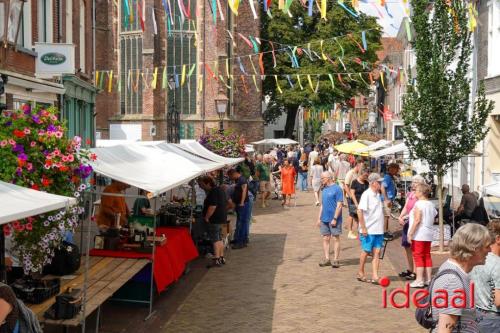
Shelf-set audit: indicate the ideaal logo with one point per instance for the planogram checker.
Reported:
(53, 58)
(400, 298)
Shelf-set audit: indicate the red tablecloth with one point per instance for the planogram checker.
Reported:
(170, 259)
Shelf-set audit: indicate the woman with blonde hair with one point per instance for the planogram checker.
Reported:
(316, 171)
(303, 170)
(410, 201)
(452, 314)
(420, 235)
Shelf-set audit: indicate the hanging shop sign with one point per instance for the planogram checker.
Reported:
(54, 59)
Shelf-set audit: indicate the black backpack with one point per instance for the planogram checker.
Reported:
(66, 260)
(424, 315)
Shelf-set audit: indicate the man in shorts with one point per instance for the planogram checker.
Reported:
(262, 173)
(215, 214)
(371, 227)
(330, 218)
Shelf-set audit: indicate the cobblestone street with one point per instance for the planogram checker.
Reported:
(276, 285)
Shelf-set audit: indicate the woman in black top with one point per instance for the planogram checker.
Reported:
(358, 186)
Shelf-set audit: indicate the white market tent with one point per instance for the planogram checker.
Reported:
(151, 169)
(205, 164)
(492, 189)
(399, 148)
(374, 146)
(282, 141)
(196, 148)
(20, 202)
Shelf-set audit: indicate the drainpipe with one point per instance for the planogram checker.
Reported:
(93, 71)
(203, 103)
(474, 85)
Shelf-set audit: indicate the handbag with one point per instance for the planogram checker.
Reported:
(423, 315)
(67, 305)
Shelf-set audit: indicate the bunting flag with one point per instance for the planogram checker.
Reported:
(290, 81)
(331, 80)
(210, 72)
(183, 76)
(119, 84)
(310, 82)
(155, 28)
(323, 9)
(135, 85)
(340, 45)
(253, 66)
(155, 76)
(317, 85)
(96, 80)
(110, 81)
(233, 5)
(323, 56)
(214, 11)
(261, 63)
(363, 39)
(145, 78)
(164, 79)
(281, 4)
(247, 41)
(273, 53)
(242, 77)
(356, 42)
(252, 7)
(191, 70)
(242, 69)
(220, 11)
(310, 8)
(387, 10)
(408, 30)
(300, 83)
(347, 9)
(277, 84)
(342, 63)
(255, 82)
(286, 8)
(232, 38)
(254, 43)
(227, 67)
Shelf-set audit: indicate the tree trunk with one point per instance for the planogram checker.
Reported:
(291, 114)
(440, 203)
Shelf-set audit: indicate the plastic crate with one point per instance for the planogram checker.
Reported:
(36, 291)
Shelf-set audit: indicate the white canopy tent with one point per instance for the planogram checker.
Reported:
(151, 169)
(20, 202)
(492, 189)
(374, 146)
(399, 148)
(282, 141)
(205, 164)
(196, 148)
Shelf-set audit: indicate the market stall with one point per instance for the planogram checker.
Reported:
(196, 148)
(374, 146)
(351, 147)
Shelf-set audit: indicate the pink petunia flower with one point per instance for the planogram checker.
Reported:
(3, 143)
(71, 158)
(32, 144)
(59, 135)
(27, 130)
(29, 166)
(29, 226)
(12, 142)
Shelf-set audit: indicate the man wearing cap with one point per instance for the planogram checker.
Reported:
(371, 227)
(330, 218)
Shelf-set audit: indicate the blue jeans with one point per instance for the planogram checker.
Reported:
(303, 181)
(242, 223)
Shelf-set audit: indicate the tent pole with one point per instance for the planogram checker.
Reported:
(87, 250)
(3, 275)
(151, 285)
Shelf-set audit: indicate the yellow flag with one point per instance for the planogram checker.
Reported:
(96, 78)
(322, 53)
(234, 4)
(183, 76)
(110, 81)
(310, 82)
(154, 80)
(300, 83)
(323, 9)
(200, 84)
(255, 83)
(277, 84)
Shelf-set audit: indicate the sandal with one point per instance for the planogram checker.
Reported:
(375, 282)
(336, 264)
(361, 278)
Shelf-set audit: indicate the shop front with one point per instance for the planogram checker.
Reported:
(78, 110)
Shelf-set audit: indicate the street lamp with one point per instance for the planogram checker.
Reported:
(173, 122)
(221, 106)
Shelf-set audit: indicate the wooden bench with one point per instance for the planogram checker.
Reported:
(105, 276)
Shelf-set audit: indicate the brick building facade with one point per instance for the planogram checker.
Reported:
(49, 21)
(138, 111)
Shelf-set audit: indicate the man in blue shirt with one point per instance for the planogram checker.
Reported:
(389, 191)
(330, 218)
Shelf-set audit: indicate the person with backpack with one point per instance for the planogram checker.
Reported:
(15, 316)
(469, 247)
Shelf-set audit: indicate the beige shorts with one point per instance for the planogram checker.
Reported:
(265, 186)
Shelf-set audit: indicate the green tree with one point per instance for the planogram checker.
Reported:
(440, 125)
(301, 29)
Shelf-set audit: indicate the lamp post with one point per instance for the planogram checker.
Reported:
(173, 122)
(221, 106)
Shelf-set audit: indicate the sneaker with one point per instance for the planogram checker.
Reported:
(411, 276)
(426, 283)
(336, 264)
(324, 263)
(417, 284)
(215, 263)
(404, 274)
(351, 235)
(222, 260)
(388, 236)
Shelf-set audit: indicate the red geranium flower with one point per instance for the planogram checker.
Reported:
(35, 187)
(19, 134)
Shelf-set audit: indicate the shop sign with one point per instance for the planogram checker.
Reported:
(54, 59)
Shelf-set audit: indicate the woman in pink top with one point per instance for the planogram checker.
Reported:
(411, 199)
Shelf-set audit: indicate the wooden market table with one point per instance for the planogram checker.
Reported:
(105, 276)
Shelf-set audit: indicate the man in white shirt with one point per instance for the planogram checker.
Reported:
(371, 227)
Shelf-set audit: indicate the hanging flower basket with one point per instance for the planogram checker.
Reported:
(227, 144)
(36, 154)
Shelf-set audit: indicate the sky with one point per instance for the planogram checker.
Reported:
(390, 25)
